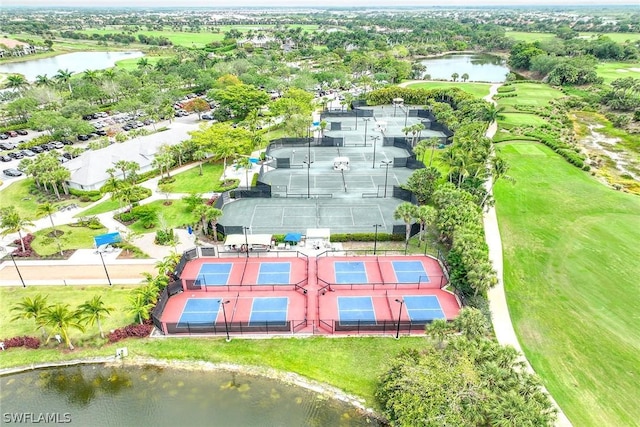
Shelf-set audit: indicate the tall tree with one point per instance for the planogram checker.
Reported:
(406, 211)
(32, 308)
(12, 222)
(60, 319)
(93, 310)
(64, 76)
(47, 208)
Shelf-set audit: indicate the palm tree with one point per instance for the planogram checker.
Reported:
(17, 81)
(426, 215)
(91, 75)
(455, 76)
(438, 329)
(213, 215)
(200, 155)
(499, 169)
(168, 264)
(43, 80)
(139, 307)
(32, 308)
(93, 310)
(471, 323)
(64, 76)
(12, 222)
(60, 318)
(406, 211)
(491, 113)
(47, 208)
(465, 77)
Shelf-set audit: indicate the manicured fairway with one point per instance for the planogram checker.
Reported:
(529, 37)
(531, 94)
(521, 119)
(610, 71)
(571, 275)
(476, 89)
(616, 37)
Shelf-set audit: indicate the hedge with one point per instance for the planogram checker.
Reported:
(561, 148)
(86, 195)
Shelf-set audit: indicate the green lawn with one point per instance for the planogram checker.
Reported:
(191, 181)
(175, 215)
(529, 37)
(73, 238)
(113, 296)
(610, 71)
(570, 255)
(521, 119)
(17, 194)
(102, 207)
(531, 94)
(479, 90)
(616, 37)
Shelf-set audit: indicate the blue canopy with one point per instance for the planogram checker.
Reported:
(293, 237)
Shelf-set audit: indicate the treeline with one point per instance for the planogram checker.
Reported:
(122, 38)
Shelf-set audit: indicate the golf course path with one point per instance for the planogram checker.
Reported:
(505, 334)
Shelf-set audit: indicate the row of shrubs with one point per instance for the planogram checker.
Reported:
(25, 341)
(561, 148)
(366, 237)
(86, 195)
(134, 330)
(28, 250)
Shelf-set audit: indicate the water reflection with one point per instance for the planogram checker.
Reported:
(129, 396)
(478, 67)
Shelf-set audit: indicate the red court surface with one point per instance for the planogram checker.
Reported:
(312, 287)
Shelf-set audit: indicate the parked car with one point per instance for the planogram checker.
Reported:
(101, 132)
(16, 155)
(149, 121)
(83, 137)
(22, 132)
(4, 136)
(62, 159)
(127, 127)
(28, 153)
(56, 144)
(5, 159)
(67, 142)
(36, 149)
(12, 172)
(7, 145)
(12, 133)
(207, 116)
(46, 147)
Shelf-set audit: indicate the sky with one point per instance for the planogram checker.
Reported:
(302, 4)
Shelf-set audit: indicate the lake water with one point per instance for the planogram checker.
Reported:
(74, 62)
(95, 395)
(479, 67)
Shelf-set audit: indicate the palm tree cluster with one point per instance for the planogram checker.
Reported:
(47, 172)
(59, 319)
(143, 299)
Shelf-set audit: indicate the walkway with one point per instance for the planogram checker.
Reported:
(502, 325)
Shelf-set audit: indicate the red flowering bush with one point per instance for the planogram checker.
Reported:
(134, 330)
(28, 251)
(28, 342)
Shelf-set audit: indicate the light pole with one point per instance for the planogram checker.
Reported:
(406, 116)
(18, 270)
(356, 110)
(308, 162)
(105, 268)
(224, 314)
(366, 123)
(375, 238)
(386, 164)
(246, 239)
(401, 301)
(375, 140)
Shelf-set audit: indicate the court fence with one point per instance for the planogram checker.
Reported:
(300, 327)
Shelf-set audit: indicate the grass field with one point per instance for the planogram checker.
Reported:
(17, 195)
(106, 206)
(190, 180)
(113, 296)
(570, 248)
(616, 37)
(73, 238)
(478, 90)
(175, 215)
(529, 37)
(531, 94)
(521, 119)
(610, 71)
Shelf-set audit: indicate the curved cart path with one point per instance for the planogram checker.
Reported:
(505, 334)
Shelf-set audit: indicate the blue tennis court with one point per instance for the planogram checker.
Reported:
(274, 273)
(423, 308)
(269, 310)
(199, 310)
(356, 310)
(410, 272)
(214, 274)
(350, 272)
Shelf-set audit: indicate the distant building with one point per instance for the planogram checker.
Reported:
(10, 47)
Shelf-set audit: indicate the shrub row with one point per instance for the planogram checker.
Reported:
(506, 88)
(505, 95)
(561, 148)
(86, 196)
(366, 237)
(25, 341)
(134, 330)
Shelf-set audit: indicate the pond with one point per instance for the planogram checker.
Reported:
(479, 67)
(74, 62)
(97, 395)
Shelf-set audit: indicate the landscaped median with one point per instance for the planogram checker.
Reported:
(570, 272)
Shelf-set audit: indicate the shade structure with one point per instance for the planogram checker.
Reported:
(293, 237)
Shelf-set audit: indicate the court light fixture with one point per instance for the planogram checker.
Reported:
(375, 238)
(401, 301)
(224, 313)
(17, 269)
(386, 164)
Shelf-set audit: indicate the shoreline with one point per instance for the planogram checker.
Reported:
(285, 377)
